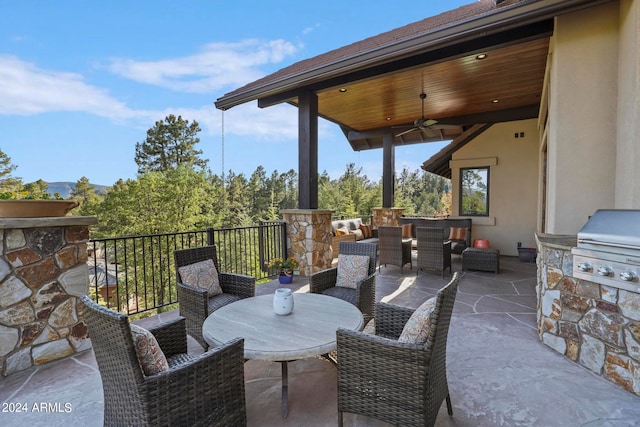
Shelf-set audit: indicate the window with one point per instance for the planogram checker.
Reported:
(474, 191)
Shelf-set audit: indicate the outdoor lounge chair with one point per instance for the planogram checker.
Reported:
(195, 303)
(364, 296)
(399, 383)
(394, 249)
(203, 390)
(433, 252)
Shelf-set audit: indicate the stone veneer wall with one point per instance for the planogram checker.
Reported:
(386, 216)
(594, 325)
(309, 238)
(42, 272)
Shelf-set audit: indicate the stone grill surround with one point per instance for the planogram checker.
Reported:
(43, 269)
(594, 325)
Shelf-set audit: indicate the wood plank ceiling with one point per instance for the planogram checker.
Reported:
(463, 91)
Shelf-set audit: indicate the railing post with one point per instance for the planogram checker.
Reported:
(283, 239)
(211, 236)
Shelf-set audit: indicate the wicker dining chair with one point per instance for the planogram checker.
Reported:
(399, 383)
(195, 303)
(364, 296)
(394, 249)
(203, 390)
(433, 252)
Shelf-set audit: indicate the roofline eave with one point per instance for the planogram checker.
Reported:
(451, 34)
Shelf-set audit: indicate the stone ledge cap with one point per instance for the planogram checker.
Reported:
(63, 221)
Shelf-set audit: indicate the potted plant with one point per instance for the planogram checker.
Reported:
(286, 267)
(26, 205)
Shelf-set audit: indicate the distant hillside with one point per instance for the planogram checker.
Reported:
(64, 188)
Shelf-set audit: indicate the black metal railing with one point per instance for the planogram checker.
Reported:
(135, 274)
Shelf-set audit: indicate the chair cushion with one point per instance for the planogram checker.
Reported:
(150, 355)
(351, 270)
(367, 232)
(203, 275)
(221, 300)
(416, 330)
(358, 233)
(345, 294)
(456, 233)
(407, 231)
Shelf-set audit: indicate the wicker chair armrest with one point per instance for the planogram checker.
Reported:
(374, 232)
(366, 296)
(209, 390)
(390, 319)
(194, 302)
(238, 284)
(322, 280)
(171, 336)
(446, 248)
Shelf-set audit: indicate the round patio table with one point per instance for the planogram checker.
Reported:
(309, 331)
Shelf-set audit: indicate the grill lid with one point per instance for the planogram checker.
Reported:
(612, 228)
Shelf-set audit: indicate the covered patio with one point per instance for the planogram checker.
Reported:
(499, 372)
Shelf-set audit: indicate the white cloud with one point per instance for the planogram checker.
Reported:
(217, 65)
(26, 89)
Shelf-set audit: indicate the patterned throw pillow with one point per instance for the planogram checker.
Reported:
(407, 231)
(457, 233)
(416, 330)
(351, 270)
(367, 233)
(203, 275)
(342, 231)
(150, 354)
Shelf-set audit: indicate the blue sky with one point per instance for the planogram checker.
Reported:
(82, 81)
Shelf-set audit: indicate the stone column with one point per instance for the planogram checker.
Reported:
(309, 238)
(386, 216)
(43, 269)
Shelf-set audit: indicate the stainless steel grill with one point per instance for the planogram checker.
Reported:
(608, 250)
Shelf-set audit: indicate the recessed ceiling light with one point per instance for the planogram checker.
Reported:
(481, 56)
(495, 101)
(388, 118)
(343, 90)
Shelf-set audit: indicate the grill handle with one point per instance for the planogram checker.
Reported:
(611, 245)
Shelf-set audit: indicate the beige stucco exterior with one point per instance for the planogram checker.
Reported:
(513, 180)
(582, 117)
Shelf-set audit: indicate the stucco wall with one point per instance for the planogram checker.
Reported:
(513, 183)
(628, 118)
(583, 110)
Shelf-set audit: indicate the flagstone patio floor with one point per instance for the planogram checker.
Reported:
(499, 372)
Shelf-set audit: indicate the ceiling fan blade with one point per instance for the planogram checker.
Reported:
(430, 133)
(445, 127)
(406, 131)
(429, 122)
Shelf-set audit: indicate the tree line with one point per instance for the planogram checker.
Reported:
(175, 190)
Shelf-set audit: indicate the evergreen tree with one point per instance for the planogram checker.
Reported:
(169, 144)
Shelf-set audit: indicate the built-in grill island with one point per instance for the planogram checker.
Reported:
(589, 295)
(608, 250)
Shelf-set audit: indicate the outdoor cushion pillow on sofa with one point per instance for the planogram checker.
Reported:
(457, 233)
(341, 231)
(416, 330)
(367, 233)
(351, 270)
(407, 231)
(152, 359)
(203, 275)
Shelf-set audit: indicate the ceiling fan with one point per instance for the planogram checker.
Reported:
(421, 124)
